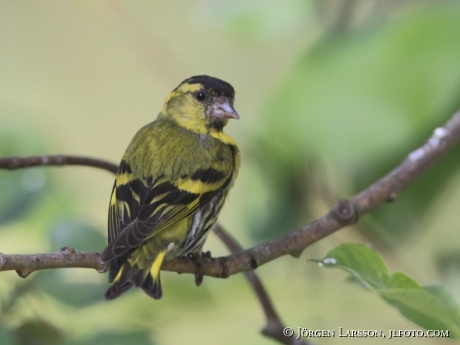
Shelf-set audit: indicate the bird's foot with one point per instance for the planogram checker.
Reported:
(206, 255)
(198, 259)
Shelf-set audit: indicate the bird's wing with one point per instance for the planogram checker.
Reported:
(139, 210)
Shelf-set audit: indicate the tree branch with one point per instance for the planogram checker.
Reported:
(25, 264)
(345, 212)
(12, 163)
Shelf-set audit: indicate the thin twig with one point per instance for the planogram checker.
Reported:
(12, 163)
(274, 326)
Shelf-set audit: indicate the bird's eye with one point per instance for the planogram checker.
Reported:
(201, 96)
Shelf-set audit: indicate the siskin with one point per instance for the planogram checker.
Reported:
(171, 185)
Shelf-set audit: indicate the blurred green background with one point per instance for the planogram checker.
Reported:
(332, 95)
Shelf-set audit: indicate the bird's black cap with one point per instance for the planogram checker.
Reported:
(214, 85)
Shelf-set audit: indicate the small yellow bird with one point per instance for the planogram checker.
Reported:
(171, 185)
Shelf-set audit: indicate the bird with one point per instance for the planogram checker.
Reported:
(171, 184)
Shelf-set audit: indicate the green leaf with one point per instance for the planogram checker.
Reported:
(431, 307)
(361, 262)
(399, 280)
(423, 308)
(443, 294)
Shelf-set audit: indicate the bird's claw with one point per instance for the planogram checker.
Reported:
(198, 259)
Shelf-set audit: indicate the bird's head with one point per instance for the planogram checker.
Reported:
(201, 104)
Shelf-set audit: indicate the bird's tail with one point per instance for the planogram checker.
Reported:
(126, 275)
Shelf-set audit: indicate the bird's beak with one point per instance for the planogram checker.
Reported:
(222, 109)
